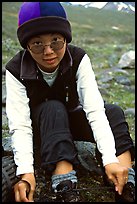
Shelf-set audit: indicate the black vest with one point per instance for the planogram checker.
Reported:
(64, 89)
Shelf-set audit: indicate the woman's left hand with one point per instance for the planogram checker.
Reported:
(118, 175)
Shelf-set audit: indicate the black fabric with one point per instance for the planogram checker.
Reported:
(51, 124)
(120, 129)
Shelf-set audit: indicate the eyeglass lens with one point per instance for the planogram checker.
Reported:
(57, 45)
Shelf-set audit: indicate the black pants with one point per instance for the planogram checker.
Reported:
(55, 129)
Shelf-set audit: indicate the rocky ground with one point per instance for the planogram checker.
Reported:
(90, 185)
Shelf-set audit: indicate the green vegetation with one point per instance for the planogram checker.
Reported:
(105, 35)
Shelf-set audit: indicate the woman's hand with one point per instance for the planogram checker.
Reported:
(118, 175)
(24, 189)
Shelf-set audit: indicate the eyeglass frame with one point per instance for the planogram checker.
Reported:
(43, 46)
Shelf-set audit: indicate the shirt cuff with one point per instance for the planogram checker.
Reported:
(24, 170)
(110, 160)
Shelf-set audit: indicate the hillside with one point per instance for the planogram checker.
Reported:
(99, 24)
(90, 22)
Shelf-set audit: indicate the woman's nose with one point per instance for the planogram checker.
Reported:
(48, 49)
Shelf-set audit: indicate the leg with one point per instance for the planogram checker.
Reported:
(124, 145)
(79, 126)
(58, 152)
(60, 167)
(55, 137)
(119, 126)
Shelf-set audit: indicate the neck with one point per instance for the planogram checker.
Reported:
(48, 70)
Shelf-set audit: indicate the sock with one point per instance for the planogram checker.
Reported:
(131, 176)
(56, 179)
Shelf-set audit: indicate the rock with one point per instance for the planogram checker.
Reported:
(130, 111)
(6, 143)
(3, 93)
(131, 88)
(105, 78)
(123, 80)
(127, 60)
(87, 158)
(86, 154)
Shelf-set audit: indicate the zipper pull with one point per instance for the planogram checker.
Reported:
(67, 94)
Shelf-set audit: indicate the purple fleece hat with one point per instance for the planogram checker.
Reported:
(37, 18)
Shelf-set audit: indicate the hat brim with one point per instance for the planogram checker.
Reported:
(43, 25)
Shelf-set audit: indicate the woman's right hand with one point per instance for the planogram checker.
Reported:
(25, 188)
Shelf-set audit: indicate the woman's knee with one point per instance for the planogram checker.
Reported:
(47, 108)
(115, 111)
(54, 104)
(53, 108)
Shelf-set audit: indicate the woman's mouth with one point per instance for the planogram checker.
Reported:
(50, 61)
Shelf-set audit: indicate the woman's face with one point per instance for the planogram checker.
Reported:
(47, 50)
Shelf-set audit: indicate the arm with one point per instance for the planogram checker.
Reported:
(18, 114)
(93, 105)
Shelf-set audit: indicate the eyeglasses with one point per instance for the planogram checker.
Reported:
(55, 45)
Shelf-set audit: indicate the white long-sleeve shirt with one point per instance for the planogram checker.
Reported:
(18, 113)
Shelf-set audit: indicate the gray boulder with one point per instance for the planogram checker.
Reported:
(127, 60)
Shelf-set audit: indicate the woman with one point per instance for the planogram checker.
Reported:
(52, 100)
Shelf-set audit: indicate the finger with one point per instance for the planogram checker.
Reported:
(30, 196)
(121, 183)
(16, 192)
(30, 191)
(17, 196)
(20, 195)
(113, 179)
(22, 189)
(23, 195)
